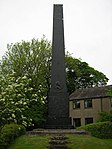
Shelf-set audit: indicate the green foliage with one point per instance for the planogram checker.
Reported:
(25, 81)
(13, 100)
(9, 133)
(105, 116)
(17, 96)
(110, 92)
(99, 129)
(81, 75)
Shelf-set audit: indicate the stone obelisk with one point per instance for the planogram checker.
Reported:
(58, 103)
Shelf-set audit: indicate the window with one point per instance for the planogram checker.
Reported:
(88, 103)
(88, 120)
(76, 122)
(76, 104)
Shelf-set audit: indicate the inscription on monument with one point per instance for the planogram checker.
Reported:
(58, 85)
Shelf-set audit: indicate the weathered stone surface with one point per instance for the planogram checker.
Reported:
(57, 132)
(58, 103)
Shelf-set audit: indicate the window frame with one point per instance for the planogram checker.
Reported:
(90, 119)
(87, 105)
(76, 104)
(77, 122)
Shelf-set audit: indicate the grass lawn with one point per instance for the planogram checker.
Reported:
(89, 142)
(30, 142)
(76, 142)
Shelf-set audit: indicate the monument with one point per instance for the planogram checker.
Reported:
(58, 101)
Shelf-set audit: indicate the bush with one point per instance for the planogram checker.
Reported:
(8, 134)
(105, 116)
(99, 129)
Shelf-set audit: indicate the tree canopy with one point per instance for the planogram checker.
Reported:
(81, 75)
(25, 80)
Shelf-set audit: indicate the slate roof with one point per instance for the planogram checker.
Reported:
(90, 93)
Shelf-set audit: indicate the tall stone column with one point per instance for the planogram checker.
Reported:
(58, 102)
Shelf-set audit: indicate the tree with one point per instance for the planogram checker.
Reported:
(27, 62)
(25, 80)
(81, 75)
(30, 59)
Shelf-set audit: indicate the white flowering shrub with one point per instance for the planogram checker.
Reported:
(24, 82)
(16, 96)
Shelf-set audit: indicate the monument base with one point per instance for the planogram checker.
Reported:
(58, 111)
(59, 127)
(59, 123)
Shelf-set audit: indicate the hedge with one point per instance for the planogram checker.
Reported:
(99, 129)
(9, 133)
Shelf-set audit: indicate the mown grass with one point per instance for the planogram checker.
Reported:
(30, 142)
(88, 142)
(75, 142)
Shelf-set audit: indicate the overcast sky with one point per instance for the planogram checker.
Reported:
(87, 25)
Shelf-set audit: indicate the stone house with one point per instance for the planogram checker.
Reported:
(85, 104)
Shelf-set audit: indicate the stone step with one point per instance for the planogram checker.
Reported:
(56, 131)
(58, 142)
